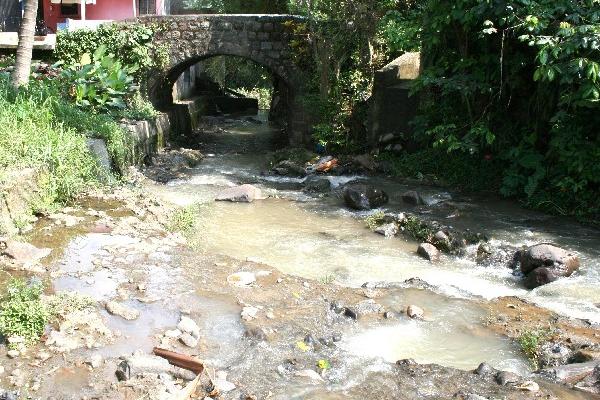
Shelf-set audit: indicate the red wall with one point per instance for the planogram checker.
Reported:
(102, 10)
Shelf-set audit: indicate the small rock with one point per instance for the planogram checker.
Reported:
(95, 361)
(173, 333)
(428, 252)
(415, 312)
(13, 353)
(338, 306)
(241, 279)
(485, 369)
(369, 306)
(507, 378)
(249, 313)
(23, 253)
(412, 198)
(387, 230)
(240, 194)
(529, 386)
(1, 369)
(187, 325)
(122, 311)
(317, 184)
(392, 315)
(473, 396)
(348, 312)
(188, 340)
(310, 374)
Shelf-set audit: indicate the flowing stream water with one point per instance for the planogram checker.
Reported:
(318, 238)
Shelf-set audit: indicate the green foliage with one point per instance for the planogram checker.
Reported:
(418, 229)
(131, 44)
(184, 220)
(530, 342)
(517, 81)
(100, 84)
(262, 94)
(22, 312)
(374, 220)
(399, 31)
(64, 303)
(32, 136)
(467, 171)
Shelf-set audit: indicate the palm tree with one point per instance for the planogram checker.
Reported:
(20, 75)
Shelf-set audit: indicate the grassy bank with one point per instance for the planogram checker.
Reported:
(39, 129)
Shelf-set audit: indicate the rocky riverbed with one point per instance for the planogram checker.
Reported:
(267, 319)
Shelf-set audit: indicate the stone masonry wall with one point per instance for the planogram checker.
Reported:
(264, 39)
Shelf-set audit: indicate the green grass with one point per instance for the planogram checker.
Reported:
(41, 130)
(22, 312)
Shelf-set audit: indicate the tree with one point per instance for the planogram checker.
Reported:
(20, 75)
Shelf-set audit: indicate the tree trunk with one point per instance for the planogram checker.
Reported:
(20, 75)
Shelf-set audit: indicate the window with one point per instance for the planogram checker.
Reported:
(69, 10)
(146, 7)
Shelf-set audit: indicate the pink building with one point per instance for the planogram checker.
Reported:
(63, 13)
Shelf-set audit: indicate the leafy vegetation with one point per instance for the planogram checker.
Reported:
(375, 220)
(184, 219)
(22, 312)
(530, 342)
(131, 45)
(101, 83)
(517, 82)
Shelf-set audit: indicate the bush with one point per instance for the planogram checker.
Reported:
(520, 82)
(100, 84)
(131, 44)
(22, 312)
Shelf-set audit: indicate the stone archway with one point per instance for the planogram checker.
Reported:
(262, 39)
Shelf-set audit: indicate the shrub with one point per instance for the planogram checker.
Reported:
(518, 81)
(22, 312)
(131, 44)
(100, 84)
(530, 342)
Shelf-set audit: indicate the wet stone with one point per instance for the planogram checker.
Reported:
(415, 312)
(187, 325)
(485, 369)
(12, 353)
(428, 252)
(507, 378)
(122, 311)
(369, 306)
(188, 340)
(350, 313)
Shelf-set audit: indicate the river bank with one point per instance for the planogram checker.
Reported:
(274, 292)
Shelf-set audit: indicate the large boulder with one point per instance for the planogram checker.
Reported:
(240, 194)
(545, 263)
(364, 197)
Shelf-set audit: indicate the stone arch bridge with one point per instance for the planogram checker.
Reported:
(264, 39)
